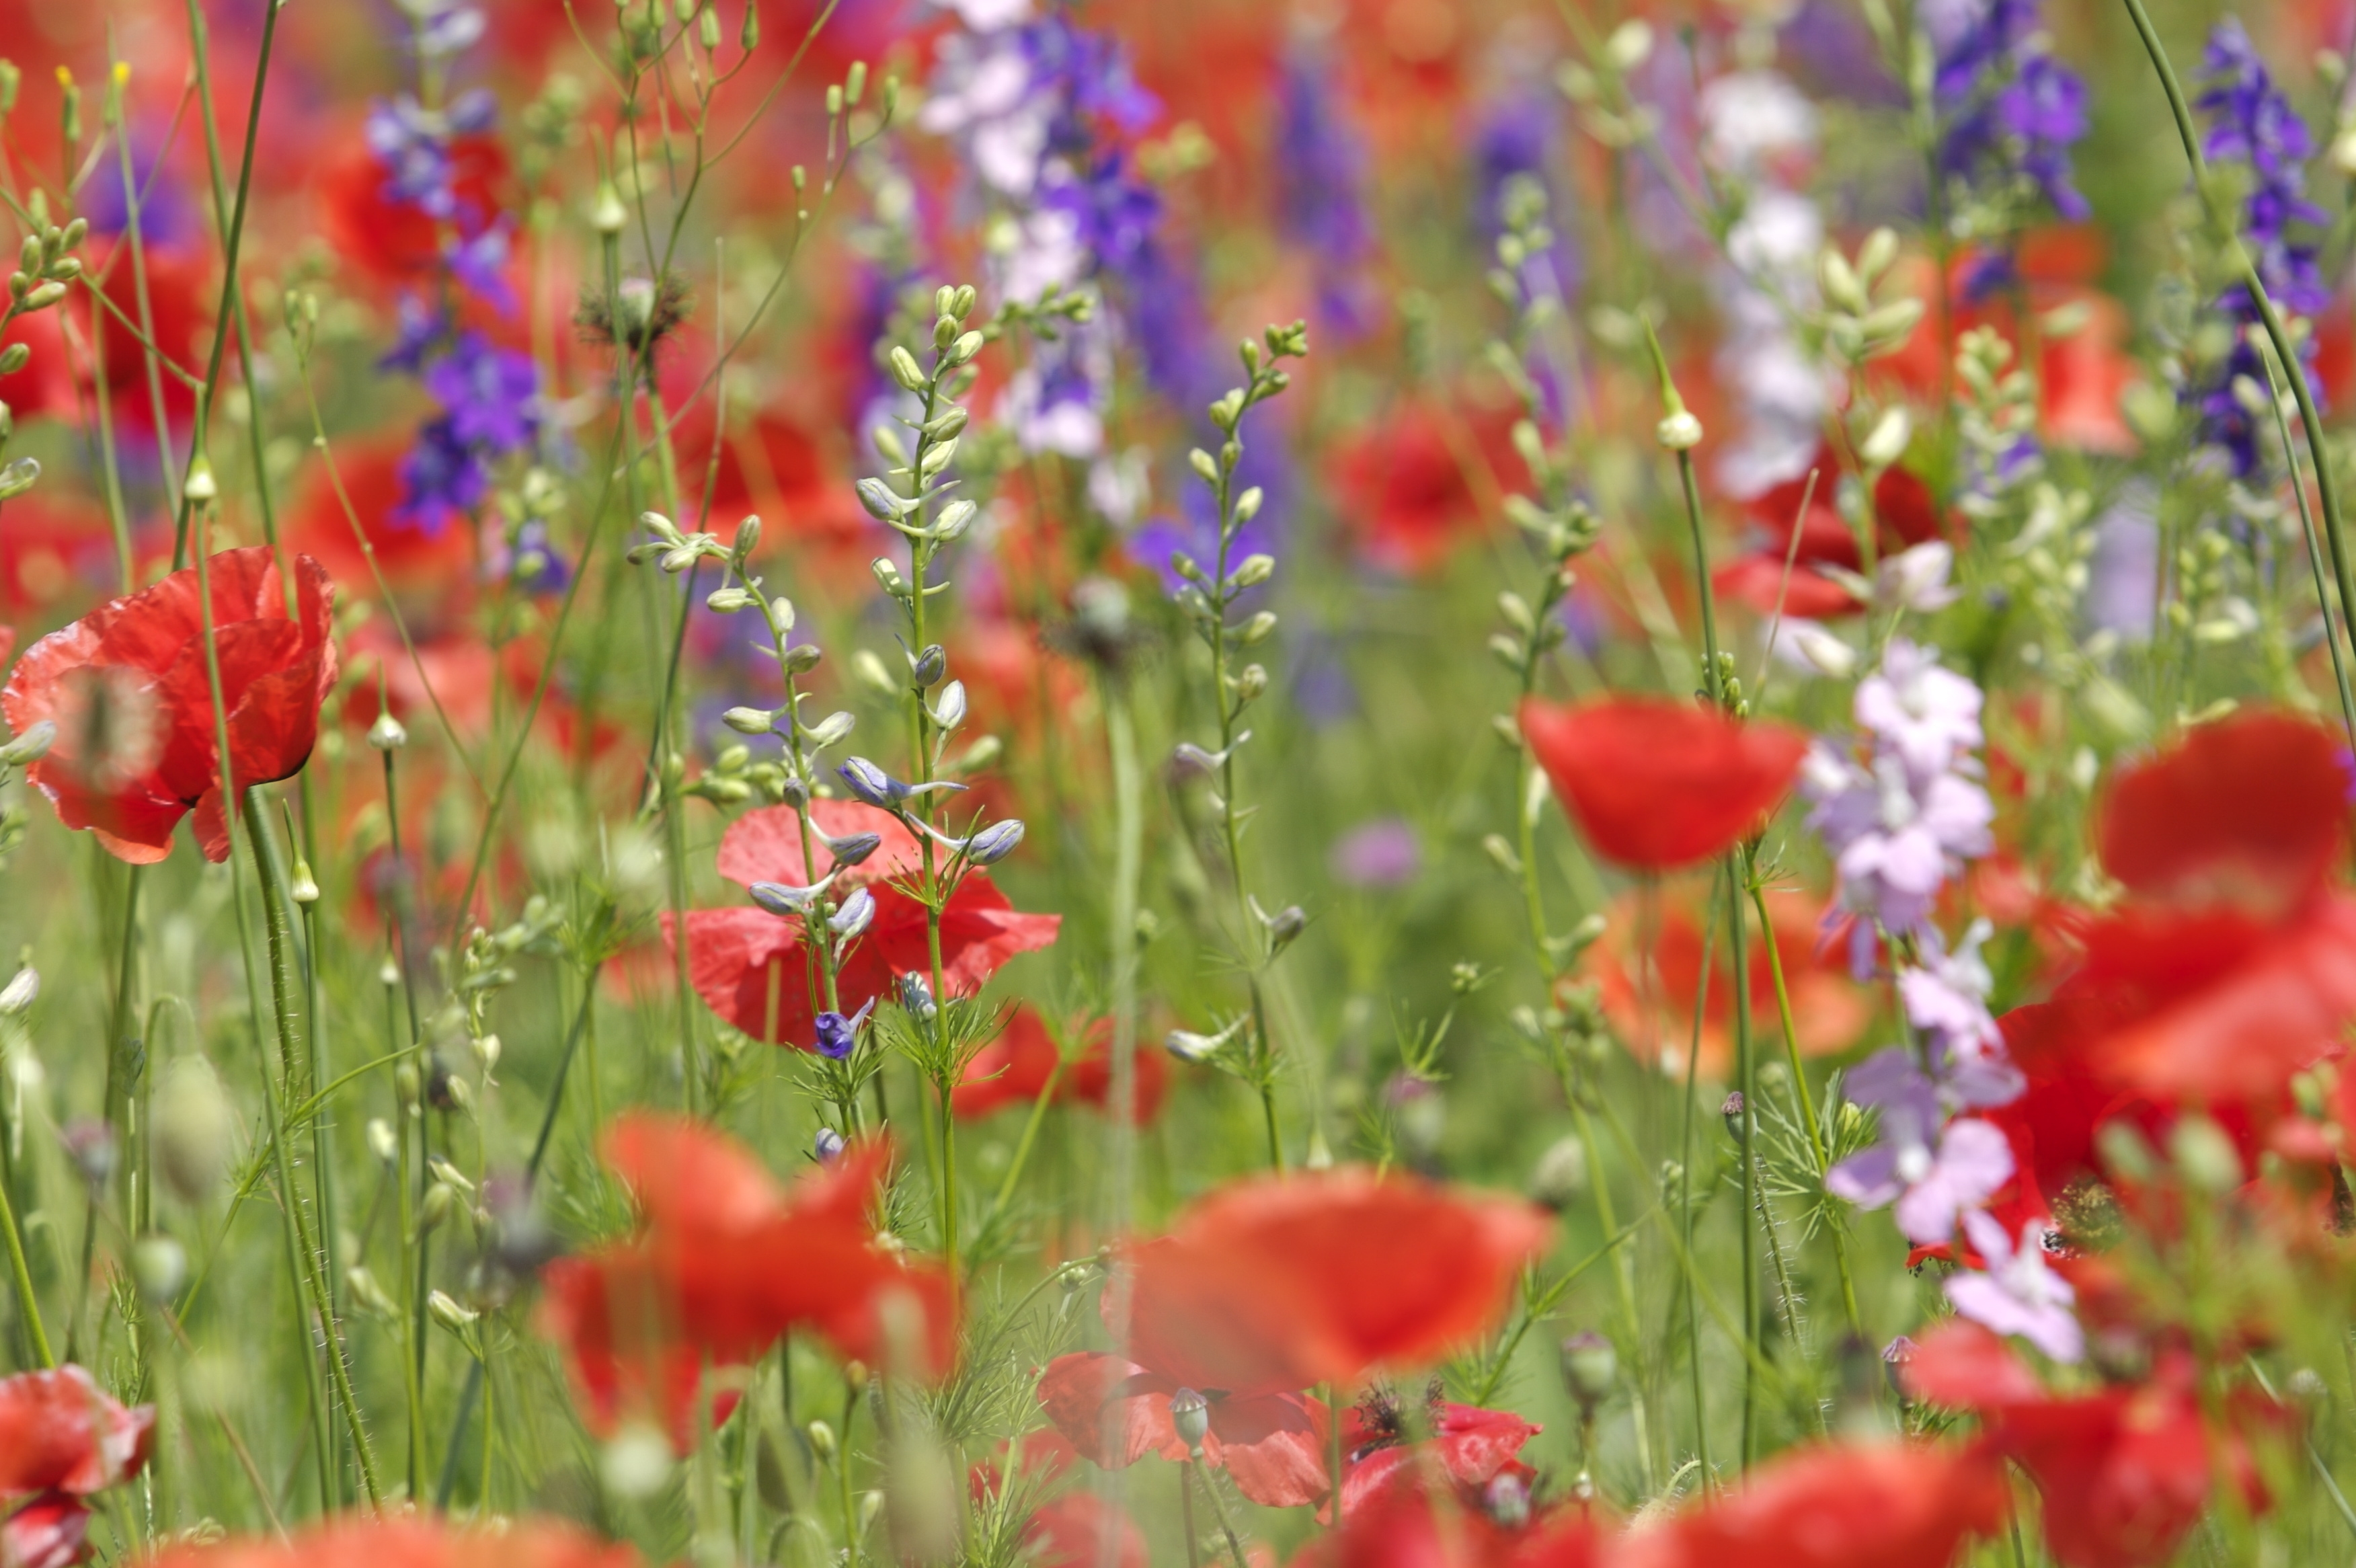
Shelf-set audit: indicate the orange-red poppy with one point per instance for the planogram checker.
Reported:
(1905, 513)
(2234, 964)
(726, 1261)
(1280, 1282)
(61, 1438)
(1384, 1451)
(1410, 487)
(1896, 1505)
(752, 967)
(1116, 1411)
(1421, 1527)
(2127, 1471)
(1016, 1069)
(1655, 785)
(130, 689)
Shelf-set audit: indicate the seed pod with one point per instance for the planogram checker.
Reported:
(193, 1128)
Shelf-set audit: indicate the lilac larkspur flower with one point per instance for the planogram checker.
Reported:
(1320, 166)
(1383, 853)
(1902, 820)
(1933, 1186)
(2019, 1293)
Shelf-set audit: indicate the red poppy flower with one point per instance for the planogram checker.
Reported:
(1905, 513)
(724, 1262)
(751, 968)
(1648, 971)
(1282, 1281)
(1898, 1505)
(2234, 964)
(437, 569)
(1406, 484)
(1471, 1446)
(410, 1541)
(130, 692)
(773, 464)
(2126, 1472)
(61, 1438)
(1410, 1527)
(60, 1431)
(1655, 785)
(1117, 1412)
(1016, 1068)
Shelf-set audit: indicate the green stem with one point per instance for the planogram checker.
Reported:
(271, 871)
(25, 1300)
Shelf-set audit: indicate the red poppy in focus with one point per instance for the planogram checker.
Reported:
(1647, 972)
(397, 1541)
(1016, 1069)
(2126, 1472)
(1905, 513)
(61, 1438)
(1473, 1447)
(1655, 785)
(2234, 964)
(751, 968)
(129, 690)
(1896, 1505)
(1405, 488)
(724, 1263)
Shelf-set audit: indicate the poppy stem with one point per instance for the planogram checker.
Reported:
(1218, 1508)
(843, 1472)
(1186, 1512)
(1806, 1100)
(27, 1303)
(1334, 1453)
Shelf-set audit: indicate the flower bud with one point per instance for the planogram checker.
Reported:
(444, 1309)
(386, 734)
(827, 1147)
(822, 1435)
(17, 997)
(1590, 1368)
(905, 371)
(858, 913)
(888, 579)
(637, 1462)
(994, 843)
(929, 665)
(194, 1128)
(29, 747)
(1680, 431)
(749, 721)
(380, 1141)
(201, 486)
(1190, 1417)
(160, 1267)
(1886, 443)
(438, 1202)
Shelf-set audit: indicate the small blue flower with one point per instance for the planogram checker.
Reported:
(837, 1035)
(827, 1145)
(915, 996)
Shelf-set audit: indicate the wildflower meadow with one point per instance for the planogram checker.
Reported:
(1110, 783)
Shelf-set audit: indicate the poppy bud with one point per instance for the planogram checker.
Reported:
(1561, 1174)
(386, 734)
(821, 1440)
(1590, 1368)
(29, 747)
(1680, 431)
(193, 1128)
(1732, 1110)
(201, 486)
(1190, 1417)
(637, 1462)
(380, 1141)
(160, 1266)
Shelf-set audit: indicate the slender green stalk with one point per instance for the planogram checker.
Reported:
(29, 1304)
(271, 871)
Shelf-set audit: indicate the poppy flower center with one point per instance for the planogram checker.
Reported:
(110, 726)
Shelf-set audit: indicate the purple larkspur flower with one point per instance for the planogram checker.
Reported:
(2008, 111)
(2018, 1292)
(441, 477)
(838, 1035)
(490, 394)
(2252, 123)
(1321, 168)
